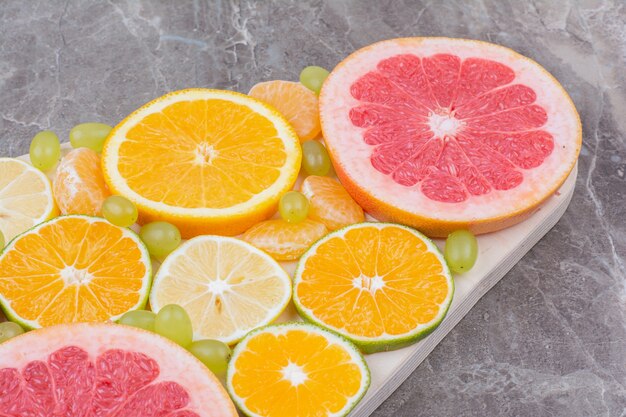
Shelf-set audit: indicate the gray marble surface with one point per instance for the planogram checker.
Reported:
(550, 338)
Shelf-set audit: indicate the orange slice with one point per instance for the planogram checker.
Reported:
(296, 369)
(78, 186)
(330, 203)
(294, 101)
(382, 285)
(285, 241)
(73, 269)
(208, 161)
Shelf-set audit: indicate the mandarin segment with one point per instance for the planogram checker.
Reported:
(330, 202)
(295, 102)
(283, 240)
(379, 284)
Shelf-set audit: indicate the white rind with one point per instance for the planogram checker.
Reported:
(353, 154)
(284, 129)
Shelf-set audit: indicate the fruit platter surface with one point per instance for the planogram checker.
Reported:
(294, 251)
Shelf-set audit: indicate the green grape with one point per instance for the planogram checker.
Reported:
(315, 159)
(89, 135)
(2, 242)
(160, 238)
(143, 319)
(213, 354)
(293, 207)
(45, 150)
(173, 322)
(313, 77)
(461, 251)
(8, 330)
(119, 210)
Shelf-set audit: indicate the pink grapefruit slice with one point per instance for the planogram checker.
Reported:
(103, 370)
(442, 134)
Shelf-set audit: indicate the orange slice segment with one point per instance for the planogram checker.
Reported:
(282, 240)
(294, 101)
(78, 186)
(330, 202)
(296, 369)
(381, 285)
(73, 269)
(226, 158)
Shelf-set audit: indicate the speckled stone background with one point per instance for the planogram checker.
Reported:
(550, 338)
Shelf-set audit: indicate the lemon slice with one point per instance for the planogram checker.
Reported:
(227, 286)
(25, 197)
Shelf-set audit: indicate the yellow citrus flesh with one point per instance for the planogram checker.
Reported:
(296, 369)
(227, 287)
(294, 101)
(25, 197)
(378, 284)
(73, 269)
(282, 240)
(226, 159)
(330, 202)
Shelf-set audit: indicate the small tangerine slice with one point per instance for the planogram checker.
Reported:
(285, 241)
(330, 203)
(296, 102)
(79, 186)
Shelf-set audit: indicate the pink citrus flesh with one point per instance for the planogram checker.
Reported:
(442, 133)
(105, 370)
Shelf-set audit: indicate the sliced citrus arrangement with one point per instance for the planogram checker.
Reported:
(294, 101)
(106, 370)
(285, 241)
(79, 186)
(226, 157)
(445, 134)
(25, 197)
(227, 286)
(381, 285)
(73, 269)
(330, 202)
(296, 369)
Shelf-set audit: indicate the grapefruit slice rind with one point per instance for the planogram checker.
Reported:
(106, 370)
(296, 368)
(442, 134)
(381, 285)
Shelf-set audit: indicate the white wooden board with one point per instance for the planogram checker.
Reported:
(498, 253)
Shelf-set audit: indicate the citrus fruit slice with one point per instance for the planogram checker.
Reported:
(381, 285)
(296, 369)
(79, 186)
(330, 202)
(25, 197)
(227, 287)
(285, 241)
(294, 101)
(226, 157)
(73, 269)
(105, 370)
(445, 134)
